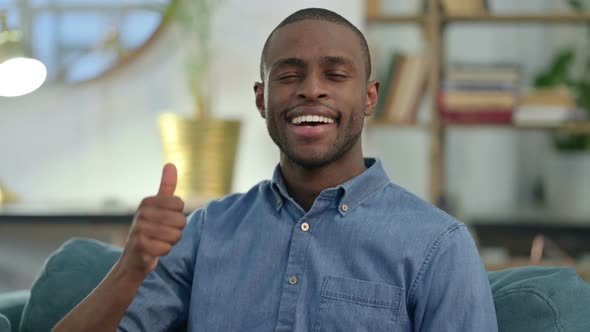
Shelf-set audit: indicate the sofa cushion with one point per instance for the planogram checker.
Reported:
(68, 276)
(12, 304)
(4, 324)
(541, 299)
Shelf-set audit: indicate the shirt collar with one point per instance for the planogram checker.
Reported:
(350, 193)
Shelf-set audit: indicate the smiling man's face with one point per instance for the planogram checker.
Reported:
(314, 97)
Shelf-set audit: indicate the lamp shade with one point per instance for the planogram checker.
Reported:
(19, 74)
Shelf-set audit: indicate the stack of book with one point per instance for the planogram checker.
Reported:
(547, 108)
(479, 93)
(464, 7)
(402, 89)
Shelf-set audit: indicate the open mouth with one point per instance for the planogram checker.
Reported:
(311, 120)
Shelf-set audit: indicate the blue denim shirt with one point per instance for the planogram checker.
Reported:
(367, 256)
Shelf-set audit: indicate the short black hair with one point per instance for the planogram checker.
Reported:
(319, 14)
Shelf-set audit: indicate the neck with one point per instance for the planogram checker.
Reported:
(305, 184)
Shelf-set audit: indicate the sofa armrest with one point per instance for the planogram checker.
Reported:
(538, 298)
(4, 324)
(12, 304)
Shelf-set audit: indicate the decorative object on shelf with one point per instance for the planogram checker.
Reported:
(203, 151)
(567, 169)
(7, 196)
(560, 73)
(202, 146)
(567, 184)
(19, 73)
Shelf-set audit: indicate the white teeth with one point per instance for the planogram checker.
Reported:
(311, 118)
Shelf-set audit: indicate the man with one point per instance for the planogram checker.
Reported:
(328, 245)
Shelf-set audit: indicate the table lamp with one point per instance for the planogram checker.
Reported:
(19, 73)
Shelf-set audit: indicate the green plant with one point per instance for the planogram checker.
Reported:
(194, 19)
(560, 73)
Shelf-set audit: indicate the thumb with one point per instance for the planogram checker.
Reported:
(169, 180)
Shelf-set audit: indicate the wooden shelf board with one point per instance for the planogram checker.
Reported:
(415, 19)
(486, 18)
(381, 124)
(572, 128)
(519, 18)
(581, 128)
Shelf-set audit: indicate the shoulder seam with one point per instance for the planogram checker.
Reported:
(433, 249)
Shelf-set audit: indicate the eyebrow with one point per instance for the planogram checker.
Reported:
(336, 60)
(289, 62)
(300, 63)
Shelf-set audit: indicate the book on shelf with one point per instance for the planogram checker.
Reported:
(547, 116)
(472, 101)
(403, 89)
(559, 96)
(500, 73)
(464, 7)
(547, 108)
(479, 93)
(387, 84)
(497, 116)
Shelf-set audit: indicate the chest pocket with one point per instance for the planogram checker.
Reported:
(356, 305)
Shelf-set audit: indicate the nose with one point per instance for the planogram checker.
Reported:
(312, 87)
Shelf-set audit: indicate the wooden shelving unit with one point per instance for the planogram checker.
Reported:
(433, 23)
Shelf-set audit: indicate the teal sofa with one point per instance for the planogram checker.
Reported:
(526, 299)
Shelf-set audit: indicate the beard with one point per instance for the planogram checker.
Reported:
(327, 155)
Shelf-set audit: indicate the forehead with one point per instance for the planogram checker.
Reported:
(313, 40)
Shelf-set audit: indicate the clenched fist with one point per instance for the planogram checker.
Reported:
(157, 226)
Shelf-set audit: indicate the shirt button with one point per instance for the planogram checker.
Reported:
(293, 280)
(305, 227)
(344, 207)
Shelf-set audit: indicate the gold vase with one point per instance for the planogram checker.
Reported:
(204, 152)
(7, 196)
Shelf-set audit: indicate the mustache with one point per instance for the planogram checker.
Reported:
(313, 104)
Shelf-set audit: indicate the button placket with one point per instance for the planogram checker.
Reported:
(293, 274)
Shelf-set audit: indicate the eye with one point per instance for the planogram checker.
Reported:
(288, 77)
(337, 76)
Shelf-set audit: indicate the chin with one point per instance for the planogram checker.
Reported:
(309, 161)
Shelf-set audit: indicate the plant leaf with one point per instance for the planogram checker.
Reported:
(576, 5)
(558, 71)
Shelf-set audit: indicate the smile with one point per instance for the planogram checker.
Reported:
(311, 120)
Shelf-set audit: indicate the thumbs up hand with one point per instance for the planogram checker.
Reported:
(156, 228)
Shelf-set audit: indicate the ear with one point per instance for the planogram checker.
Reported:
(259, 95)
(372, 97)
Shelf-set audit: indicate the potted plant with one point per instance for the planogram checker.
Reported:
(567, 172)
(202, 146)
